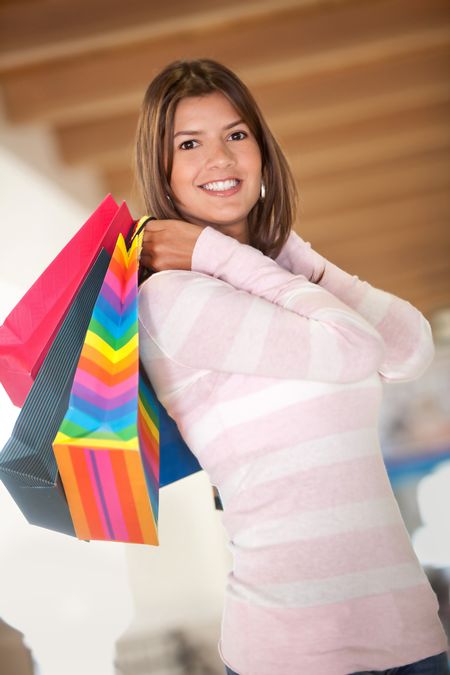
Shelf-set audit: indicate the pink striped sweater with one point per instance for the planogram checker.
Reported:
(275, 384)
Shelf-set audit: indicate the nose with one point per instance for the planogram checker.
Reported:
(220, 156)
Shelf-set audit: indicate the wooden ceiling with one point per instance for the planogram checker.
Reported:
(357, 92)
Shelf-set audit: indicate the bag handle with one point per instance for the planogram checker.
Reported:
(143, 272)
(138, 227)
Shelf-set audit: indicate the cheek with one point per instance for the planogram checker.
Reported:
(178, 177)
(255, 172)
(183, 172)
(254, 162)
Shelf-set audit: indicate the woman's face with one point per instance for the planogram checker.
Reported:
(216, 175)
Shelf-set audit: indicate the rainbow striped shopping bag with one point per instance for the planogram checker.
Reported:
(107, 447)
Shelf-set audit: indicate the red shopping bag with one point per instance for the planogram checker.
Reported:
(28, 331)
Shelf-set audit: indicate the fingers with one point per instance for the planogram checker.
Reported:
(154, 226)
(146, 261)
(153, 230)
(152, 237)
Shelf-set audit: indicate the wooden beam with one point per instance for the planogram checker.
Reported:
(287, 44)
(102, 142)
(121, 182)
(344, 155)
(360, 120)
(381, 217)
(357, 85)
(44, 31)
(416, 246)
(364, 186)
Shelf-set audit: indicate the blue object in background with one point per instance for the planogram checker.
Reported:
(414, 467)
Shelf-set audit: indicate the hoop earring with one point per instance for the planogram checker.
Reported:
(262, 191)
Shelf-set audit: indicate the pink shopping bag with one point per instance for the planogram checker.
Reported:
(29, 329)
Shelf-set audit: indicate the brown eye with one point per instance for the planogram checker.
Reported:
(238, 135)
(188, 145)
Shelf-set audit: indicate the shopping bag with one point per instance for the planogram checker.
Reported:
(27, 465)
(107, 448)
(176, 459)
(28, 331)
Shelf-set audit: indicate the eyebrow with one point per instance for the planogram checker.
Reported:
(197, 133)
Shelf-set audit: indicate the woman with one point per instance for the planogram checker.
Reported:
(270, 359)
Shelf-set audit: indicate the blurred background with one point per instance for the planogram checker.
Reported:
(358, 93)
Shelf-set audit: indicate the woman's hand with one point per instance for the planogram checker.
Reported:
(169, 244)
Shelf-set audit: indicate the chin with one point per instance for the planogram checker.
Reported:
(220, 218)
(209, 219)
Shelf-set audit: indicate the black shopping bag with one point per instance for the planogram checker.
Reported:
(27, 464)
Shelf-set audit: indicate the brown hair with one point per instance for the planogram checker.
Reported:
(271, 219)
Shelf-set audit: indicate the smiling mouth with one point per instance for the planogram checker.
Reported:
(228, 186)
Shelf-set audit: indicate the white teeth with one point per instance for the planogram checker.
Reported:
(221, 185)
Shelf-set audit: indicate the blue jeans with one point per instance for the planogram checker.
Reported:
(433, 665)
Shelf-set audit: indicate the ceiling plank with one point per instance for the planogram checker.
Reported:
(342, 155)
(380, 217)
(415, 244)
(100, 142)
(36, 32)
(358, 84)
(361, 124)
(261, 50)
(401, 178)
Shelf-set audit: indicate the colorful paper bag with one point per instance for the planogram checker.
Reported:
(107, 447)
(27, 463)
(29, 329)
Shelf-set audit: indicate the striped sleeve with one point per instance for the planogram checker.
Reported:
(238, 311)
(406, 332)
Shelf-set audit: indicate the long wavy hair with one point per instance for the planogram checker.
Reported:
(271, 219)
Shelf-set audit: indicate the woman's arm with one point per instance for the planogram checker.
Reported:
(405, 331)
(242, 313)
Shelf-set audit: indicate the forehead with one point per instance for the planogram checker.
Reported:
(197, 112)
